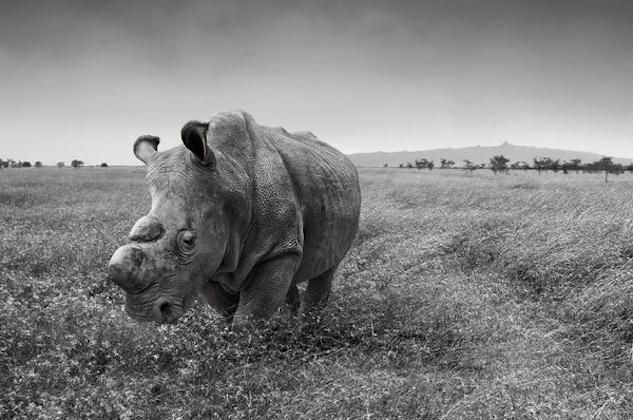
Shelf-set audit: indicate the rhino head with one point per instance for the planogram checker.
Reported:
(181, 243)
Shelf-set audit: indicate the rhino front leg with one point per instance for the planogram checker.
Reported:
(267, 289)
(220, 299)
(293, 298)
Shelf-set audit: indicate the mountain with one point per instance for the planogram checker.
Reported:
(477, 154)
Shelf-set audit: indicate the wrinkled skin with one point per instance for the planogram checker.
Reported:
(241, 214)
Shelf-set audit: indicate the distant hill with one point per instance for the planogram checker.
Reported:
(476, 155)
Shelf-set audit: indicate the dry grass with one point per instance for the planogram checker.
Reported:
(465, 296)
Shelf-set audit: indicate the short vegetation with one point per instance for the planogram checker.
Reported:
(466, 295)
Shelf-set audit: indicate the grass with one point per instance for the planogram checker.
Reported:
(464, 296)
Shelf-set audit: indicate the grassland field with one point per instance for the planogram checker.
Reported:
(464, 296)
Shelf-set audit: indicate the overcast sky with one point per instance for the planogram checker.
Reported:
(83, 79)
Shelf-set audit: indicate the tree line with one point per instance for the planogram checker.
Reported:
(500, 164)
(11, 163)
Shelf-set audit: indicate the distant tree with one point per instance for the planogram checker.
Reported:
(546, 163)
(409, 165)
(401, 165)
(76, 163)
(630, 167)
(1, 163)
(421, 163)
(499, 163)
(606, 164)
(104, 165)
(384, 165)
(26, 164)
(520, 164)
(430, 165)
(446, 164)
(538, 164)
(38, 164)
(574, 164)
(60, 164)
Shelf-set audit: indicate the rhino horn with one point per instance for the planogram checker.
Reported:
(146, 229)
(194, 137)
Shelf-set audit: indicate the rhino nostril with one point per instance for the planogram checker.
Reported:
(164, 311)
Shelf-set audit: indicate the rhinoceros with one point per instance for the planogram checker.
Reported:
(241, 213)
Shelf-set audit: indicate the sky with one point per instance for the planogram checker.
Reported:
(82, 80)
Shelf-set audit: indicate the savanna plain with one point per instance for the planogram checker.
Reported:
(465, 295)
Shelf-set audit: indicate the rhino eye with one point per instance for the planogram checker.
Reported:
(187, 239)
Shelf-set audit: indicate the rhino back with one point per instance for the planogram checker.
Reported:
(325, 183)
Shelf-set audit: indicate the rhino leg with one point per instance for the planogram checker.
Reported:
(318, 291)
(224, 302)
(267, 288)
(293, 299)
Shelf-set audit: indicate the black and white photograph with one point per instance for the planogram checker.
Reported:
(316, 209)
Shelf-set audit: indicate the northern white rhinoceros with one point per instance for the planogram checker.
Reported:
(241, 214)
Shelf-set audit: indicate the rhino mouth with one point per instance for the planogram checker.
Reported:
(163, 310)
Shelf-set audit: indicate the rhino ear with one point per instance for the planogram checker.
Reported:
(194, 136)
(145, 147)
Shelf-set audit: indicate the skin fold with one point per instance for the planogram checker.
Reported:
(241, 214)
